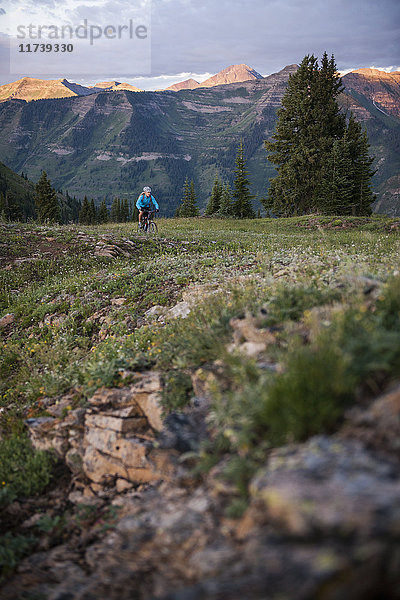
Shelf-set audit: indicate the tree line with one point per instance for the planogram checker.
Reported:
(321, 156)
(121, 211)
(223, 202)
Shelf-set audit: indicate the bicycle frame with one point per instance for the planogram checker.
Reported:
(147, 222)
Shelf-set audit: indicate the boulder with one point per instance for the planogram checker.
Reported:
(182, 310)
(155, 311)
(7, 320)
(328, 487)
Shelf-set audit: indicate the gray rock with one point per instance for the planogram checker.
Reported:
(329, 487)
(182, 310)
(7, 320)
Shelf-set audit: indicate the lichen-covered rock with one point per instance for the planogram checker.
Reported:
(328, 487)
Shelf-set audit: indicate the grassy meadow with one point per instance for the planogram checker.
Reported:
(326, 289)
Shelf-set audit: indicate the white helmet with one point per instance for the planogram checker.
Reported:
(147, 188)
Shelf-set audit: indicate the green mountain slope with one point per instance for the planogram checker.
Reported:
(106, 145)
(18, 198)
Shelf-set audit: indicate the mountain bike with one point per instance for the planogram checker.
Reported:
(148, 225)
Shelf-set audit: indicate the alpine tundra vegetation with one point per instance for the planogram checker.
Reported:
(203, 391)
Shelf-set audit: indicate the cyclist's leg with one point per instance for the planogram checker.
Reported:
(145, 220)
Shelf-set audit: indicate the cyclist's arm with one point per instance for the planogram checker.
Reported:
(154, 201)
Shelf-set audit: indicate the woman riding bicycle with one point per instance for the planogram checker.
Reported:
(144, 202)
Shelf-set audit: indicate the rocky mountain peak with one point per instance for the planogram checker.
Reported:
(188, 84)
(232, 74)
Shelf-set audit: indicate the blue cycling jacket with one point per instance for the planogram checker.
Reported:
(144, 202)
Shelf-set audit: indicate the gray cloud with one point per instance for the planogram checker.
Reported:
(199, 36)
(268, 34)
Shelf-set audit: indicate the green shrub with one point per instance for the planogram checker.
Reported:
(290, 302)
(177, 390)
(23, 471)
(308, 398)
(12, 550)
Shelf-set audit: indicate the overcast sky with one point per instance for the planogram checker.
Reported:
(196, 38)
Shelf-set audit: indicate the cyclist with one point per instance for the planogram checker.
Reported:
(144, 202)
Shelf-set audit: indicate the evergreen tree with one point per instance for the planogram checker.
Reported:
(188, 208)
(84, 213)
(124, 210)
(241, 206)
(135, 213)
(226, 201)
(3, 207)
(214, 203)
(92, 217)
(337, 186)
(115, 211)
(103, 212)
(14, 209)
(309, 122)
(193, 209)
(46, 203)
(361, 168)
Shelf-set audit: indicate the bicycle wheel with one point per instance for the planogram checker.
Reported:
(153, 227)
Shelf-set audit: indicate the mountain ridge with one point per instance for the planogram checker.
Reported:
(107, 144)
(29, 88)
(57, 88)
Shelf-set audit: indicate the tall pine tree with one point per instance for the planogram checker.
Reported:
(214, 202)
(103, 212)
(46, 202)
(84, 213)
(241, 206)
(336, 188)
(115, 215)
(361, 168)
(92, 213)
(309, 122)
(124, 210)
(226, 201)
(188, 208)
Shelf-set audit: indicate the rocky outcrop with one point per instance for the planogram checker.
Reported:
(112, 438)
(381, 88)
(329, 487)
(323, 522)
(112, 249)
